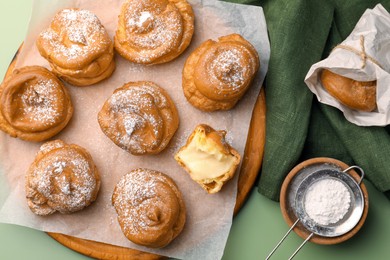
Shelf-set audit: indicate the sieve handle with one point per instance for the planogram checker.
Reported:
(299, 248)
(360, 170)
(284, 237)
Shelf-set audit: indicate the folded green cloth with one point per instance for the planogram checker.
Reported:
(302, 32)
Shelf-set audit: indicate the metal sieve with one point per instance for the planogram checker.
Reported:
(342, 226)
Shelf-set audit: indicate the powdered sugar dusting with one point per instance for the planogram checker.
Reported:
(145, 17)
(138, 108)
(227, 69)
(59, 167)
(65, 178)
(51, 145)
(138, 194)
(41, 102)
(133, 122)
(153, 29)
(79, 32)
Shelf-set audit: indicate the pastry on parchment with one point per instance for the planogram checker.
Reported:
(208, 158)
(63, 178)
(151, 210)
(154, 31)
(78, 47)
(140, 117)
(34, 104)
(218, 73)
(358, 95)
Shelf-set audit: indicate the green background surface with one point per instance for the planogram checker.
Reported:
(256, 229)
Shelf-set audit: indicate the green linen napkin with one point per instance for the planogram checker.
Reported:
(302, 32)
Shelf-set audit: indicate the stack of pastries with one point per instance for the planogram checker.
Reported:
(139, 117)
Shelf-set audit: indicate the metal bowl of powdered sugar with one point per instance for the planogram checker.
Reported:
(323, 203)
(330, 202)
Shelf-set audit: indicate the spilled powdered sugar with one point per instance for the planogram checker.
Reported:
(41, 103)
(179, 142)
(81, 27)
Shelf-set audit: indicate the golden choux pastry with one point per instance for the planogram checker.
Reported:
(63, 178)
(208, 158)
(139, 117)
(34, 104)
(151, 210)
(358, 95)
(78, 47)
(218, 73)
(154, 31)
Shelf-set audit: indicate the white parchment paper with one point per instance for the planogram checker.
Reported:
(374, 26)
(209, 217)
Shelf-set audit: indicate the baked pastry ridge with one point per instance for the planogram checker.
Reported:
(35, 104)
(208, 158)
(218, 73)
(151, 210)
(78, 47)
(63, 178)
(358, 95)
(139, 117)
(154, 31)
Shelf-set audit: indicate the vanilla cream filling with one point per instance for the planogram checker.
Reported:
(203, 158)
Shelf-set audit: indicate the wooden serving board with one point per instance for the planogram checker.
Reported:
(251, 164)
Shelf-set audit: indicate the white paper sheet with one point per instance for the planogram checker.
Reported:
(209, 217)
(374, 26)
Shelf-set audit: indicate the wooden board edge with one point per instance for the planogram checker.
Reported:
(254, 151)
(101, 250)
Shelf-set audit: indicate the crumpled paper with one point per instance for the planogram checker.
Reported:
(209, 217)
(364, 56)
